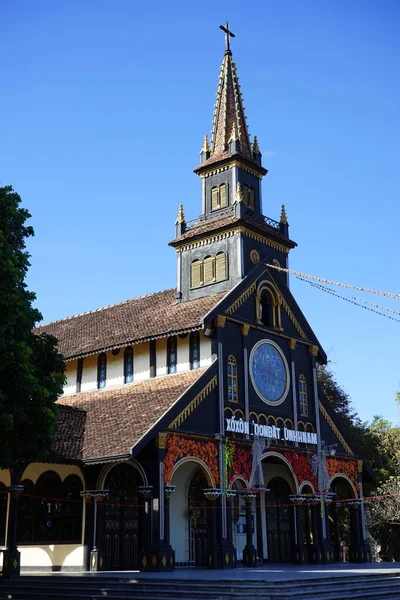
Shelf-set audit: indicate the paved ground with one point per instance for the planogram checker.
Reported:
(261, 573)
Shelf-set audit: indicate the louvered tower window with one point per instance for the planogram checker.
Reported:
(219, 197)
(196, 279)
(171, 354)
(208, 269)
(101, 371)
(223, 197)
(128, 364)
(232, 377)
(246, 194)
(215, 199)
(303, 396)
(194, 350)
(251, 198)
(220, 267)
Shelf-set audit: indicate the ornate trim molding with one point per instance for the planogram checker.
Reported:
(263, 240)
(239, 301)
(189, 408)
(293, 318)
(206, 240)
(335, 430)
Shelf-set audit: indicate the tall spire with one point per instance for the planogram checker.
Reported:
(229, 114)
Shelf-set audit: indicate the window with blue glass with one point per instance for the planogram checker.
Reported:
(232, 376)
(128, 364)
(101, 371)
(194, 350)
(171, 354)
(303, 398)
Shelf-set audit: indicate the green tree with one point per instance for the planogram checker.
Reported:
(31, 370)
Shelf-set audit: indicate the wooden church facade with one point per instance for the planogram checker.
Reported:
(192, 431)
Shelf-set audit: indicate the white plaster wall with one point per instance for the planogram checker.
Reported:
(179, 511)
(89, 374)
(5, 476)
(183, 363)
(141, 361)
(34, 470)
(60, 555)
(70, 384)
(115, 368)
(161, 357)
(205, 351)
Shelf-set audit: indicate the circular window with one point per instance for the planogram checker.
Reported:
(269, 372)
(254, 257)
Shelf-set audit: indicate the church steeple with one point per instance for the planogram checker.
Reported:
(230, 157)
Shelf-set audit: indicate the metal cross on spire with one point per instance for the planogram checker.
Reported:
(228, 34)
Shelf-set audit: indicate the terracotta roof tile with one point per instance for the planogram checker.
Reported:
(129, 322)
(68, 439)
(116, 419)
(224, 220)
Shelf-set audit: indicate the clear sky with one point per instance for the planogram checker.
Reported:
(104, 105)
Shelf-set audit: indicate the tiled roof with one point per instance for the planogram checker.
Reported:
(229, 120)
(128, 322)
(224, 220)
(116, 419)
(68, 439)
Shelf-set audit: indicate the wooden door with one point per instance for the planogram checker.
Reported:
(121, 514)
(198, 539)
(279, 521)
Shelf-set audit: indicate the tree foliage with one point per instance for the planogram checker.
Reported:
(31, 370)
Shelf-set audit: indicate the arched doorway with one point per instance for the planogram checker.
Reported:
(197, 515)
(280, 524)
(339, 519)
(121, 518)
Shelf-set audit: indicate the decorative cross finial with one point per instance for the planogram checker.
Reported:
(228, 34)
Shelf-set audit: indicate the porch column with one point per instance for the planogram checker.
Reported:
(212, 495)
(249, 551)
(168, 491)
(96, 555)
(357, 550)
(158, 555)
(300, 554)
(12, 556)
(338, 547)
(228, 550)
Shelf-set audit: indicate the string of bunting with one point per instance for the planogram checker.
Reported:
(329, 291)
(311, 500)
(394, 312)
(336, 283)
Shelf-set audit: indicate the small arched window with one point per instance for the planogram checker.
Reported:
(232, 376)
(171, 354)
(223, 197)
(219, 197)
(214, 198)
(128, 364)
(303, 396)
(266, 309)
(220, 267)
(251, 198)
(101, 370)
(208, 269)
(195, 274)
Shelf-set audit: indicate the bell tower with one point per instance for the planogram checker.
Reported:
(231, 235)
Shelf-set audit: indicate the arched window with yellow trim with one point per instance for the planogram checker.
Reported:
(195, 274)
(232, 375)
(208, 269)
(303, 396)
(220, 266)
(223, 196)
(214, 198)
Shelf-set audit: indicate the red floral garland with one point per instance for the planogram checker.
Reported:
(343, 466)
(302, 466)
(241, 462)
(180, 446)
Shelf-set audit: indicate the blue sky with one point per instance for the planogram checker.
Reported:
(104, 106)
